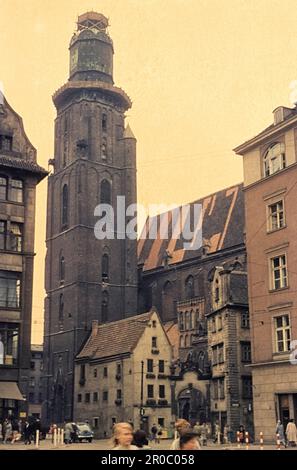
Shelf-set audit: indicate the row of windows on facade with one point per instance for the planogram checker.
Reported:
(189, 320)
(218, 388)
(82, 144)
(185, 341)
(104, 198)
(218, 356)
(119, 395)
(11, 189)
(150, 366)
(280, 341)
(216, 323)
(104, 307)
(104, 268)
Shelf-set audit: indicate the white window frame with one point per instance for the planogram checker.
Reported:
(284, 282)
(279, 225)
(283, 329)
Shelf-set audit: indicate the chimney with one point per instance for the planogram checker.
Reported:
(95, 325)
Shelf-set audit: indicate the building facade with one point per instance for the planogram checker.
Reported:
(19, 175)
(183, 285)
(87, 278)
(126, 379)
(229, 348)
(270, 172)
(35, 395)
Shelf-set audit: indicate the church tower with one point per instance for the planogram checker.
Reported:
(86, 278)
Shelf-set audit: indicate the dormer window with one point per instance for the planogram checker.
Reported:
(274, 159)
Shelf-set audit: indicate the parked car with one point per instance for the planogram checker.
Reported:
(83, 432)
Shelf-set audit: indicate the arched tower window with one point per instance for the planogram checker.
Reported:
(105, 192)
(274, 159)
(65, 206)
(104, 148)
(105, 267)
(61, 307)
(189, 285)
(62, 269)
(104, 122)
(104, 306)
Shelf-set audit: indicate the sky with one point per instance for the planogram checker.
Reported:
(203, 76)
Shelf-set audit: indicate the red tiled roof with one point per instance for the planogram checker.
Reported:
(222, 222)
(115, 338)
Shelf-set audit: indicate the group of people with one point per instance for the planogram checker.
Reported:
(12, 430)
(288, 438)
(124, 438)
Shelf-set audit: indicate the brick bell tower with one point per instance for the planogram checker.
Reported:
(95, 161)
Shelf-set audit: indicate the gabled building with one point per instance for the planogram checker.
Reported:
(180, 283)
(122, 374)
(19, 176)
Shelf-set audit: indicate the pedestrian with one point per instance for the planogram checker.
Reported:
(140, 440)
(217, 436)
(68, 430)
(204, 434)
(122, 437)
(281, 433)
(291, 433)
(180, 426)
(241, 431)
(7, 430)
(27, 433)
(159, 433)
(189, 440)
(226, 434)
(154, 431)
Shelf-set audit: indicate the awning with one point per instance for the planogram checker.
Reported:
(10, 391)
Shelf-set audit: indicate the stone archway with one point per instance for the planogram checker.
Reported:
(192, 405)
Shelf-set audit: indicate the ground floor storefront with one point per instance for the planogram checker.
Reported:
(275, 397)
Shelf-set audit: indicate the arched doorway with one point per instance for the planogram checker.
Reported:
(192, 405)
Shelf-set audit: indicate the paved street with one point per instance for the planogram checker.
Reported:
(104, 444)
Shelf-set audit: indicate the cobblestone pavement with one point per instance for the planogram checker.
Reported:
(104, 444)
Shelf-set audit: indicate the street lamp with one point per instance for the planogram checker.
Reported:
(141, 411)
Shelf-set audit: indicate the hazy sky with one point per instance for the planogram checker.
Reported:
(203, 76)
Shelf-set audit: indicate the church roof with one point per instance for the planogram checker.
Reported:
(115, 338)
(222, 223)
